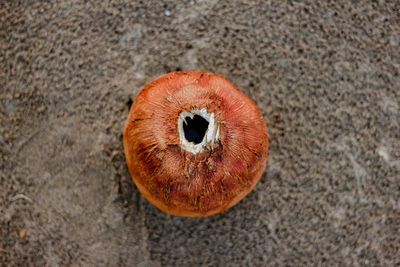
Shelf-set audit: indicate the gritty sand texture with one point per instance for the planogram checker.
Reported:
(324, 74)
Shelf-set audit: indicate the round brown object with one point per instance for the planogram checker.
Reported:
(195, 145)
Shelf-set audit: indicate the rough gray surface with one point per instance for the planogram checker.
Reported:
(325, 76)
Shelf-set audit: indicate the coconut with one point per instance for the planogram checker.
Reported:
(195, 145)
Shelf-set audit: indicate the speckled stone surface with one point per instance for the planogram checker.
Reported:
(324, 74)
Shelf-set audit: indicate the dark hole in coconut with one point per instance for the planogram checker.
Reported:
(195, 128)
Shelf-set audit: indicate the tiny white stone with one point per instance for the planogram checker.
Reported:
(167, 13)
(382, 151)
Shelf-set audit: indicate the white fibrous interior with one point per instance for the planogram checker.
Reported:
(210, 137)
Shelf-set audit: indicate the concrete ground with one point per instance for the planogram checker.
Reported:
(325, 75)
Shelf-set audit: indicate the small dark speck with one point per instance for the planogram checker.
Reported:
(335, 136)
(129, 102)
(178, 69)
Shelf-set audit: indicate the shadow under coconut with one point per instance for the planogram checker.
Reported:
(233, 236)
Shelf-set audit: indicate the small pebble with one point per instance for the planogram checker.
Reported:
(41, 109)
(22, 233)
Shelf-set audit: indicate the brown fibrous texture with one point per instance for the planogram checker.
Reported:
(179, 182)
